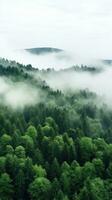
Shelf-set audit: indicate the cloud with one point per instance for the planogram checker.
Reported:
(82, 27)
(66, 81)
(19, 94)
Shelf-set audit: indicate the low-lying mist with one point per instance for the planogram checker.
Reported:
(44, 61)
(100, 83)
(19, 94)
(64, 59)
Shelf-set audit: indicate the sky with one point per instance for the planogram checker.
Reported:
(82, 27)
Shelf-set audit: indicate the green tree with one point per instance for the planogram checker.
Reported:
(20, 152)
(32, 132)
(86, 149)
(55, 169)
(55, 188)
(28, 144)
(39, 171)
(6, 188)
(88, 170)
(9, 149)
(99, 167)
(40, 189)
(20, 185)
(76, 179)
(94, 189)
(28, 171)
(2, 164)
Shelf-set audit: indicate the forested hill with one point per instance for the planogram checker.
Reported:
(44, 50)
(54, 145)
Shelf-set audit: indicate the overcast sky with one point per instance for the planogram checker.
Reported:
(81, 26)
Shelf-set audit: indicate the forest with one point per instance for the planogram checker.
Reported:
(54, 145)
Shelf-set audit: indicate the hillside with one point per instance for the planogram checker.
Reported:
(43, 50)
(54, 144)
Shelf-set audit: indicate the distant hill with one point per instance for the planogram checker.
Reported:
(43, 50)
(108, 62)
(50, 50)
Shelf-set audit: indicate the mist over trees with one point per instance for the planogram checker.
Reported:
(58, 147)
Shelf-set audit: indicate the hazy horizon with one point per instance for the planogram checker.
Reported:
(81, 27)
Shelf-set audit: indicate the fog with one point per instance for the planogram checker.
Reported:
(100, 83)
(64, 59)
(82, 28)
(18, 95)
(44, 61)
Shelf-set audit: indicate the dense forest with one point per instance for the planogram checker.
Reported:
(57, 148)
